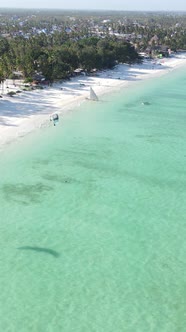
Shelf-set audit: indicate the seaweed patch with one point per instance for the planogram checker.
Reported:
(25, 193)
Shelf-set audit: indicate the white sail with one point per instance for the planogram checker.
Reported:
(93, 95)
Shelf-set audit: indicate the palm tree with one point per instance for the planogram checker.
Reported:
(2, 79)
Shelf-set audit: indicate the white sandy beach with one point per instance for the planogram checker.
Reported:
(30, 110)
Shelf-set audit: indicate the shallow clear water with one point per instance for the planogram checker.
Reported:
(92, 217)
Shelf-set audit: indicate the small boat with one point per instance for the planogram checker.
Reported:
(145, 103)
(93, 95)
(55, 118)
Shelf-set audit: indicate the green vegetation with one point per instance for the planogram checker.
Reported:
(54, 43)
(58, 61)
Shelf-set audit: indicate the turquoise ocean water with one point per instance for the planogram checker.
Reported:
(93, 217)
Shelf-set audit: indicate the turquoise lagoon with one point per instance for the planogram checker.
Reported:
(93, 217)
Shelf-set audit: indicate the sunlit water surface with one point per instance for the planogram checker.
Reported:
(93, 217)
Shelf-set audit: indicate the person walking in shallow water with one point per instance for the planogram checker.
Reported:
(54, 118)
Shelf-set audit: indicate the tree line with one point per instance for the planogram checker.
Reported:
(56, 57)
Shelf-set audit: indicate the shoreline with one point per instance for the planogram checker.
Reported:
(30, 110)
